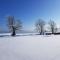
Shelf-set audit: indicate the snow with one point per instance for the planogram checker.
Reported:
(31, 47)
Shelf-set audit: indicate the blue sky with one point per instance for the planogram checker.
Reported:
(28, 11)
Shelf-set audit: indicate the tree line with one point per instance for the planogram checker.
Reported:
(15, 25)
(40, 26)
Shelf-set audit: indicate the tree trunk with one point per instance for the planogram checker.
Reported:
(13, 32)
(41, 30)
(52, 30)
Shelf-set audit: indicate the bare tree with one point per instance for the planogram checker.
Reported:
(14, 25)
(40, 26)
(52, 25)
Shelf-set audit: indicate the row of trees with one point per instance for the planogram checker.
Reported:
(15, 25)
(40, 26)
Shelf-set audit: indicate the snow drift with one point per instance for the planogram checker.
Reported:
(33, 47)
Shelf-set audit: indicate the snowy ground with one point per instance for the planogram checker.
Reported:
(33, 47)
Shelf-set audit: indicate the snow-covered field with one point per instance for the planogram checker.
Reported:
(32, 47)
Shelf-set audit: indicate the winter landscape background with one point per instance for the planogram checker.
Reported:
(29, 29)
